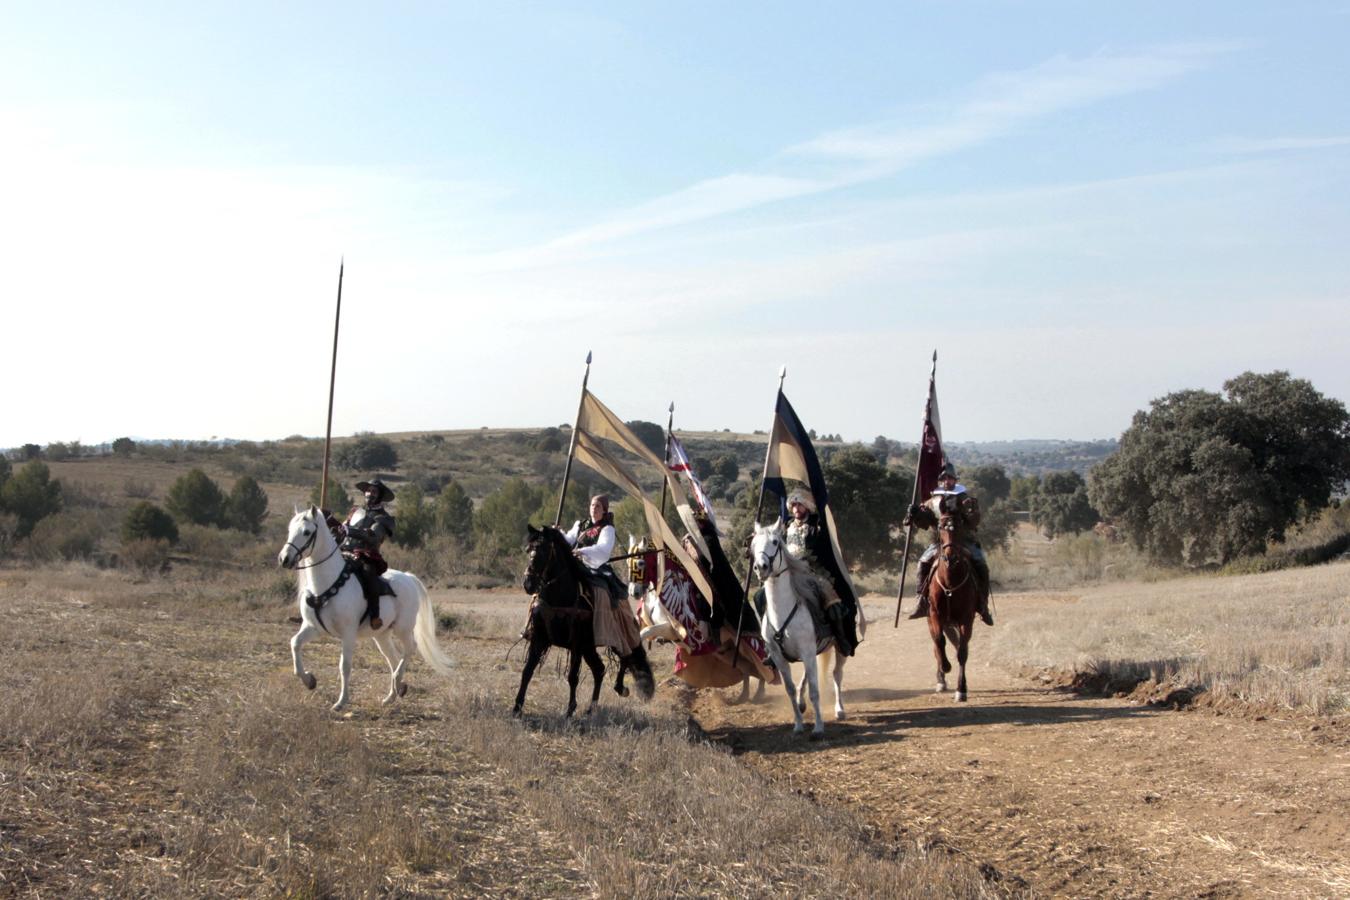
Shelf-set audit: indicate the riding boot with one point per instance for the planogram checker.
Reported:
(921, 611)
(982, 576)
(371, 588)
(844, 637)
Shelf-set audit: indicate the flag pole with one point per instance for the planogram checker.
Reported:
(759, 507)
(572, 444)
(332, 383)
(665, 482)
(914, 498)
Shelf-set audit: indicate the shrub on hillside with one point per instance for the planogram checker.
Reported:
(246, 507)
(454, 512)
(145, 555)
(145, 520)
(70, 535)
(499, 524)
(338, 500)
(123, 446)
(30, 494)
(367, 452)
(195, 498)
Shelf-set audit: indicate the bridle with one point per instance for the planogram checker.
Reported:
(529, 570)
(302, 550)
(769, 561)
(950, 553)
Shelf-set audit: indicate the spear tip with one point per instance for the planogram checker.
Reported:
(672, 406)
(782, 372)
(588, 357)
(934, 354)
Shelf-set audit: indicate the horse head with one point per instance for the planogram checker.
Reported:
(549, 557)
(302, 536)
(768, 549)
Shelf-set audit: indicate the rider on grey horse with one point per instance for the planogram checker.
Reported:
(951, 498)
(361, 536)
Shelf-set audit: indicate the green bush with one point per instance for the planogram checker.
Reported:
(367, 452)
(146, 555)
(30, 494)
(338, 501)
(146, 521)
(246, 507)
(195, 498)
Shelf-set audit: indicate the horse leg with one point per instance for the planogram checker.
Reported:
(790, 687)
(345, 667)
(619, 687)
(573, 676)
(962, 647)
(801, 689)
(390, 652)
(838, 677)
(759, 692)
(812, 679)
(592, 658)
(939, 653)
(745, 691)
(538, 644)
(302, 636)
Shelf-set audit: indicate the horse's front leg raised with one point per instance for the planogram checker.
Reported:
(390, 652)
(302, 636)
(345, 668)
(538, 644)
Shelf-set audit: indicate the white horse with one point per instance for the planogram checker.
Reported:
(331, 600)
(791, 594)
(656, 621)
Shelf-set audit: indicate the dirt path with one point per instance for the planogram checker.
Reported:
(1064, 795)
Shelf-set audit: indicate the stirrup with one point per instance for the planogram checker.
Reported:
(920, 611)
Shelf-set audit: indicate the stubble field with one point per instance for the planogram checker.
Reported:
(157, 744)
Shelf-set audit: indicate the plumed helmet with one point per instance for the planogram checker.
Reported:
(948, 471)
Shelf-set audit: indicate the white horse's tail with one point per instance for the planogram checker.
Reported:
(424, 632)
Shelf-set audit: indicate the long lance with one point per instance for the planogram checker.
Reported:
(332, 383)
(914, 497)
(665, 482)
(572, 444)
(759, 507)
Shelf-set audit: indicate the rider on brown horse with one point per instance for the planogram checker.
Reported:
(360, 537)
(951, 499)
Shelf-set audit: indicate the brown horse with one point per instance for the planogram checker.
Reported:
(953, 598)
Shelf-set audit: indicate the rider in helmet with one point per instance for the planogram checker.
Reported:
(361, 536)
(950, 498)
(808, 541)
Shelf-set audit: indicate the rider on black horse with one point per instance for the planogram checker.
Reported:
(951, 499)
(361, 536)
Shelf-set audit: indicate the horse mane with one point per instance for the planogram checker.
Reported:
(805, 583)
(559, 539)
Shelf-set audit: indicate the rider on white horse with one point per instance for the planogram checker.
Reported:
(361, 536)
(950, 499)
(807, 541)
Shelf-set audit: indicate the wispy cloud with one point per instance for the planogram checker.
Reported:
(1246, 145)
(995, 106)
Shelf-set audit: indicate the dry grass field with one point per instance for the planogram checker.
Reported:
(156, 744)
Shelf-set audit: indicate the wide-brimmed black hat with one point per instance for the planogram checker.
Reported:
(385, 494)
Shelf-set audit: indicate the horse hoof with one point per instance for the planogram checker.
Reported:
(839, 715)
(338, 707)
(621, 691)
(960, 697)
(309, 680)
(402, 690)
(517, 712)
(940, 689)
(816, 735)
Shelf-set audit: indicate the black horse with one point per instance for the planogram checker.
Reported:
(562, 617)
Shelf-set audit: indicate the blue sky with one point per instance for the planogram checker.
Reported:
(1081, 206)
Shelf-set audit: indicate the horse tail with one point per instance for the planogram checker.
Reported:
(424, 632)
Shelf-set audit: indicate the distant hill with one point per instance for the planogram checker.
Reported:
(1033, 457)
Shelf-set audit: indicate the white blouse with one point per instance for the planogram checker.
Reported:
(598, 553)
